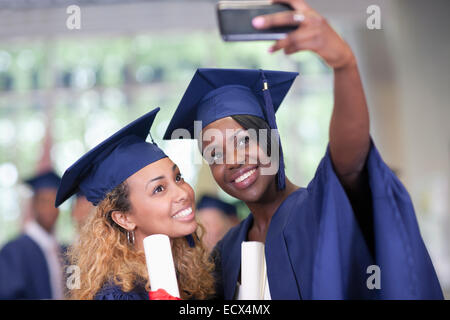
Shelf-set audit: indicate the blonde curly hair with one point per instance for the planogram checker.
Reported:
(103, 255)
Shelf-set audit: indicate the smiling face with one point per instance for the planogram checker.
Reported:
(161, 202)
(238, 169)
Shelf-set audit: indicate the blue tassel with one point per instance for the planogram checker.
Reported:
(190, 240)
(271, 120)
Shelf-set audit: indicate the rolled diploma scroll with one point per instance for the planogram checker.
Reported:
(160, 266)
(253, 271)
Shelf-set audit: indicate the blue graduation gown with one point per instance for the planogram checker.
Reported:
(114, 292)
(24, 271)
(315, 248)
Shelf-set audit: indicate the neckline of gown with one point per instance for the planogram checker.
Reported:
(248, 222)
(233, 249)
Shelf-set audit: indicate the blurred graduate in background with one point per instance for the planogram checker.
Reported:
(30, 265)
(217, 217)
(81, 208)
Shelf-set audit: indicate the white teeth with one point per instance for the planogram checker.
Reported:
(245, 175)
(183, 213)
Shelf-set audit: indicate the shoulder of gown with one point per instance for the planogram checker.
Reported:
(323, 221)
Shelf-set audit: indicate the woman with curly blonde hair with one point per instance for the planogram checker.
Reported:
(138, 191)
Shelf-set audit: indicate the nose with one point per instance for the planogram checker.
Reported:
(232, 163)
(235, 158)
(180, 194)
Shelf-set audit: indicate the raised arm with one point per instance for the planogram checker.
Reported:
(349, 127)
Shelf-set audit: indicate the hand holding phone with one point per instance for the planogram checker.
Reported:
(235, 20)
(303, 29)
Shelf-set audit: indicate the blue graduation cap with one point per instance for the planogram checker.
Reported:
(111, 162)
(48, 179)
(218, 93)
(212, 202)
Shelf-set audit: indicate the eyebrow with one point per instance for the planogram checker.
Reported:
(159, 177)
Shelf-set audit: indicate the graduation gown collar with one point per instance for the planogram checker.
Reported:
(231, 256)
(279, 268)
(277, 257)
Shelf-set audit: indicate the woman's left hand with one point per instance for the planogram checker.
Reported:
(314, 33)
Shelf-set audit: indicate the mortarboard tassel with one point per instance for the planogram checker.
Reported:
(270, 116)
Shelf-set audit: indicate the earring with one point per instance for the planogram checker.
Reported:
(130, 238)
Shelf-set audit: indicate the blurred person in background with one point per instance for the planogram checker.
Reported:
(217, 217)
(31, 264)
(81, 208)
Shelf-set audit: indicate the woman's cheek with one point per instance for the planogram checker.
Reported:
(157, 210)
(217, 173)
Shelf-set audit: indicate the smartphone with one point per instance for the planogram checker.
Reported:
(235, 20)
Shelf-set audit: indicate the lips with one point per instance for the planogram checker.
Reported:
(184, 214)
(241, 172)
(244, 177)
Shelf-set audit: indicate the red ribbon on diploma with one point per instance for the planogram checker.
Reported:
(161, 294)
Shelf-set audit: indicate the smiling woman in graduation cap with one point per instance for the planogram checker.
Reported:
(137, 191)
(321, 240)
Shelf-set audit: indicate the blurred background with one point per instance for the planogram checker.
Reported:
(63, 91)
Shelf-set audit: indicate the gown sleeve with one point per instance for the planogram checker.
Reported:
(406, 270)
